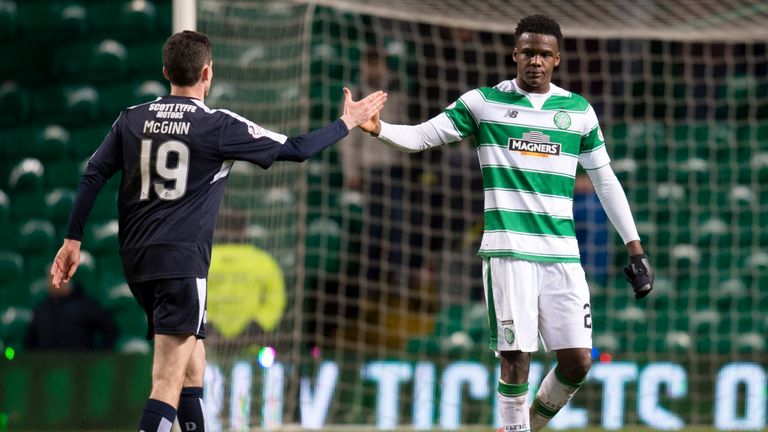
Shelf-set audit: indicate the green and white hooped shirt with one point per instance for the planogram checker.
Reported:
(529, 146)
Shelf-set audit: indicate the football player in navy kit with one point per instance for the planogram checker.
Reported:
(175, 154)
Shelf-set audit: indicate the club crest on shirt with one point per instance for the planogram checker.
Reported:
(562, 120)
(534, 143)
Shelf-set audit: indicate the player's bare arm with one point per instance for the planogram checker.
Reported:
(357, 113)
(66, 262)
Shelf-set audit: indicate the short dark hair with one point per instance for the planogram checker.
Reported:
(184, 55)
(540, 24)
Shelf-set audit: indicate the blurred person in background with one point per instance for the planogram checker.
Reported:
(69, 320)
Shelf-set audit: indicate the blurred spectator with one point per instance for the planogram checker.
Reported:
(591, 229)
(68, 320)
(377, 171)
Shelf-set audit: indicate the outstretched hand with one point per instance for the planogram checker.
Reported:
(365, 112)
(65, 264)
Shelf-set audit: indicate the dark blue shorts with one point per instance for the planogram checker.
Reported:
(173, 306)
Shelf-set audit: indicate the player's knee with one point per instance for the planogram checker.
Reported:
(577, 368)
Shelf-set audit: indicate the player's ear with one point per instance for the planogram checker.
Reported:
(207, 72)
(165, 74)
(514, 54)
(557, 59)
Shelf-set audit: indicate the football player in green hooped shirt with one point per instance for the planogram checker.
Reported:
(531, 135)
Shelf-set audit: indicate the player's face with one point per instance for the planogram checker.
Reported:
(536, 56)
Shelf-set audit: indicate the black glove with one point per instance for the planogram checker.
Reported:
(640, 275)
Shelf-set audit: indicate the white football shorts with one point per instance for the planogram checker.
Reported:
(526, 299)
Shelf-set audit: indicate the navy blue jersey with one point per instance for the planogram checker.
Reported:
(175, 154)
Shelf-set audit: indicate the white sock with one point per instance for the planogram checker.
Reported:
(554, 392)
(512, 406)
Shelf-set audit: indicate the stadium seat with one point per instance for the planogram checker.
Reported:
(606, 342)
(102, 237)
(108, 62)
(87, 138)
(105, 207)
(36, 236)
(11, 275)
(11, 266)
(52, 21)
(150, 90)
(68, 104)
(26, 176)
(15, 104)
(752, 342)
(130, 319)
(133, 345)
(677, 342)
(125, 20)
(8, 19)
(64, 173)
(58, 204)
(13, 326)
(5, 208)
(86, 275)
(50, 143)
(144, 60)
(323, 245)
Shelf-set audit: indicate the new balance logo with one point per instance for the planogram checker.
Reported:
(511, 114)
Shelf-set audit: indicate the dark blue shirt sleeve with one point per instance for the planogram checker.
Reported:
(303, 147)
(241, 139)
(104, 163)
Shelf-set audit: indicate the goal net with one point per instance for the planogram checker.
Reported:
(372, 304)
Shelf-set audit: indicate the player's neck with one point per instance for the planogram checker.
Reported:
(196, 91)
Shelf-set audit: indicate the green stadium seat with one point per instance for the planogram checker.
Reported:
(606, 342)
(119, 96)
(5, 208)
(150, 90)
(11, 266)
(52, 21)
(50, 143)
(86, 275)
(677, 342)
(130, 319)
(13, 326)
(26, 176)
(37, 236)
(87, 138)
(323, 245)
(144, 61)
(105, 207)
(729, 292)
(423, 345)
(108, 62)
(33, 69)
(15, 103)
(685, 257)
(749, 343)
(8, 19)
(65, 173)
(58, 204)
(124, 20)
(68, 104)
(102, 237)
(133, 345)
(448, 320)
(27, 205)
